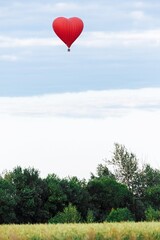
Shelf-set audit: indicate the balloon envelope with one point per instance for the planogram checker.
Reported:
(68, 29)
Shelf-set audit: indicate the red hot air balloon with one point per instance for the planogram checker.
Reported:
(68, 29)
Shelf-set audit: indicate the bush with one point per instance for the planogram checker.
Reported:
(90, 216)
(152, 214)
(69, 215)
(119, 215)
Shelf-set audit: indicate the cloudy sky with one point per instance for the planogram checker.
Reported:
(62, 112)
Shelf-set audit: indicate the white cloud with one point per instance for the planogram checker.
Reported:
(149, 38)
(10, 42)
(89, 104)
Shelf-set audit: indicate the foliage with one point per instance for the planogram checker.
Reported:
(146, 178)
(152, 196)
(106, 194)
(27, 198)
(76, 193)
(56, 200)
(151, 176)
(103, 171)
(138, 209)
(152, 214)
(119, 215)
(7, 202)
(90, 216)
(29, 194)
(69, 215)
(125, 166)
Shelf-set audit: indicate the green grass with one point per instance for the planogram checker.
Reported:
(101, 231)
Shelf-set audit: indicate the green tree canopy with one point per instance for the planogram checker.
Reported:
(7, 202)
(106, 194)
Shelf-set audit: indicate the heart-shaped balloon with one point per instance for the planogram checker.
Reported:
(68, 29)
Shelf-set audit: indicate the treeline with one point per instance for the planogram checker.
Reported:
(128, 192)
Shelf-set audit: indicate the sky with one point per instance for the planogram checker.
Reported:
(61, 112)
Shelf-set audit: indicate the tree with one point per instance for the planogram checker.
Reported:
(103, 171)
(152, 214)
(150, 176)
(69, 215)
(125, 166)
(120, 215)
(29, 195)
(56, 198)
(105, 194)
(152, 196)
(138, 209)
(90, 216)
(76, 193)
(144, 178)
(7, 202)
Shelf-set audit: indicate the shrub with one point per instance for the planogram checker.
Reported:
(119, 215)
(152, 214)
(69, 215)
(90, 216)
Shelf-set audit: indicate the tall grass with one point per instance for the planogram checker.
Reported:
(102, 231)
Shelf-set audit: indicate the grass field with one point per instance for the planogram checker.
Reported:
(107, 231)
